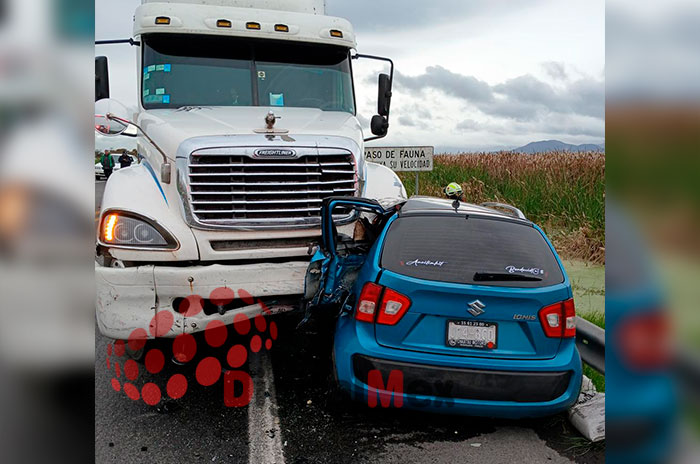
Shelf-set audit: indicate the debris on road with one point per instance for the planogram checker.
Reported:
(588, 414)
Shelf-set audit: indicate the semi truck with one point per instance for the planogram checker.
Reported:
(246, 120)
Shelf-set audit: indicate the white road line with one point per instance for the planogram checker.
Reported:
(264, 434)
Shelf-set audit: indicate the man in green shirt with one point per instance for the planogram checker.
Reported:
(107, 164)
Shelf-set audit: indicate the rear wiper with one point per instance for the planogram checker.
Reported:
(503, 276)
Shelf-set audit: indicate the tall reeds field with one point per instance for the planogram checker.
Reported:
(562, 192)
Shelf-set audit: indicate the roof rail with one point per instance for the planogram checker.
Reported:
(515, 212)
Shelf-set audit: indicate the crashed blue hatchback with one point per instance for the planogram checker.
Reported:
(446, 307)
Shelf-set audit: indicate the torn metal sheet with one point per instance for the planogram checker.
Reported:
(128, 298)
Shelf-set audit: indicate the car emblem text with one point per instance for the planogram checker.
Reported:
(275, 153)
(476, 308)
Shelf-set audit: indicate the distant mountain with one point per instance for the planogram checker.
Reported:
(556, 145)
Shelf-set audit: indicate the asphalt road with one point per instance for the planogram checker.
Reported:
(293, 417)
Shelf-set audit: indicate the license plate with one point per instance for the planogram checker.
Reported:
(472, 334)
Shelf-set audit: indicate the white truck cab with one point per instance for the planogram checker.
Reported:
(246, 120)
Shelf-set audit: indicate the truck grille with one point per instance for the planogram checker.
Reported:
(234, 189)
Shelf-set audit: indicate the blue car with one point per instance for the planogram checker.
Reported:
(446, 307)
(642, 408)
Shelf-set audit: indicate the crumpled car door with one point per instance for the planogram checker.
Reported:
(347, 236)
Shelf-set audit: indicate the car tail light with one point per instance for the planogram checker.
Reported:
(369, 299)
(645, 341)
(559, 319)
(392, 306)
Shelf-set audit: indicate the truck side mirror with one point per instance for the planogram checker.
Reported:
(384, 97)
(380, 122)
(379, 125)
(101, 78)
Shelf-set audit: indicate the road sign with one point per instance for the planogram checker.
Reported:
(402, 158)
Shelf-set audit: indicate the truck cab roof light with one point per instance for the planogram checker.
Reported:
(252, 25)
(336, 33)
(162, 20)
(281, 28)
(223, 23)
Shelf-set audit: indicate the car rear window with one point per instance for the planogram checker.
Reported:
(476, 250)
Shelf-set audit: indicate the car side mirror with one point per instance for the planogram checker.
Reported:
(384, 97)
(379, 125)
(101, 78)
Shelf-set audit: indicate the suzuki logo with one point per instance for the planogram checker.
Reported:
(476, 308)
(275, 153)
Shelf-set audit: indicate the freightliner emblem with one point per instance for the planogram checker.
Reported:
(275, 153)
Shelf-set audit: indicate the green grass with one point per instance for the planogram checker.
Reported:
(597, 318)
(596, 377)
(562, 192)
(588, 284)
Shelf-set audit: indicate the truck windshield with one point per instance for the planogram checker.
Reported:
(199, 70)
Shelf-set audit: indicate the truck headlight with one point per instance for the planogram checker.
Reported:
(122, 229)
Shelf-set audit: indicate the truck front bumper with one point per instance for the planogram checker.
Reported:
(129, 298)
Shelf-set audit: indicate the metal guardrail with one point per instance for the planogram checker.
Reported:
(590, 341)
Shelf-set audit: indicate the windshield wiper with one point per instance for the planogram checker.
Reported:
(504, 276)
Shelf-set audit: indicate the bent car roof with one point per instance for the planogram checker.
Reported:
(423, 204)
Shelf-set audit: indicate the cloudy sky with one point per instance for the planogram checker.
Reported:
(470, 75)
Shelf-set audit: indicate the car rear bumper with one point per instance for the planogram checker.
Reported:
(512, 388)
(129, 298)
(475, 384)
